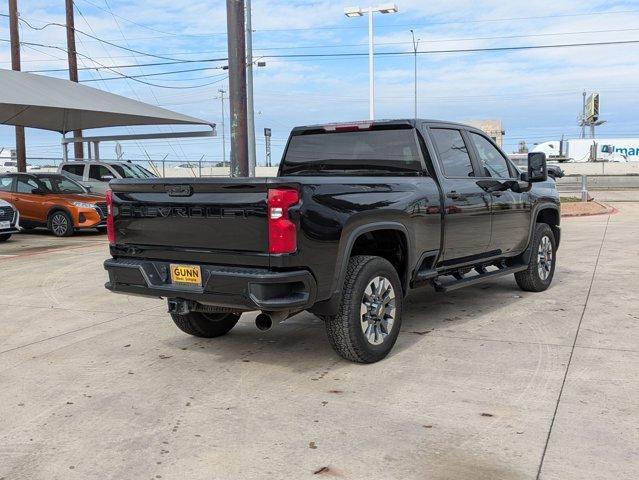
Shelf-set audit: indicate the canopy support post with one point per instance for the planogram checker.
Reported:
(65, 149)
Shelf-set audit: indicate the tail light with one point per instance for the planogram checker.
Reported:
(282, 233)
(109, 219)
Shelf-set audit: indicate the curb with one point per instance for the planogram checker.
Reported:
(604, 210)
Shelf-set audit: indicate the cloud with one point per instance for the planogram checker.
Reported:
(536, 93)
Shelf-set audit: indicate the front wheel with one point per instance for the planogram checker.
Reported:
(205, 325)
(5, 237)
(370, 312)
(60, 224)
(541, 266)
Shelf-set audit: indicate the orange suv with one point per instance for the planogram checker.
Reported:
(53, 201)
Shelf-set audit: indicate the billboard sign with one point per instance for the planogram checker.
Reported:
(592, 107)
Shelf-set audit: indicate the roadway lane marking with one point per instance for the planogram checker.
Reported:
(572, 351)
(53, 250)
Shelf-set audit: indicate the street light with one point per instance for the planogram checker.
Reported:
(415, 47)
(352, 12)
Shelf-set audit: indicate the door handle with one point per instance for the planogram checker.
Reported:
(453, 195)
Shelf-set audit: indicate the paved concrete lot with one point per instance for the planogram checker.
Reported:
(485, 383)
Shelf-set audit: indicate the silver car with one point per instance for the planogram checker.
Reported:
(96, 175)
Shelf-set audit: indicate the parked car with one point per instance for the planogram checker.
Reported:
(521, 162)
(53, 201)
(358, 215)
(9, 219)
(10, 166)
(97, 175)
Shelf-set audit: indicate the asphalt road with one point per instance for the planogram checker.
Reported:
(486, 383)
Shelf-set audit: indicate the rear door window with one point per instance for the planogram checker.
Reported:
(100, 173)
(452, 152)
(26, 185)
(76, 172)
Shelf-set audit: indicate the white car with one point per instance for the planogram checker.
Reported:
(9, 220)
(11, 166)
(96, 175)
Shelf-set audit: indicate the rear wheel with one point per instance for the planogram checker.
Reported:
(541, 266)
(205, 325)
(370, 312)
(5, 237)
(60, 224)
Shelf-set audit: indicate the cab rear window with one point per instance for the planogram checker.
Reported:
(358, 151)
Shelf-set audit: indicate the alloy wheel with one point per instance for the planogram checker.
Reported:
(378, 310)
(59, 224)
(544, 258)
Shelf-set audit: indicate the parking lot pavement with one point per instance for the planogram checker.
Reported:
(486, 383)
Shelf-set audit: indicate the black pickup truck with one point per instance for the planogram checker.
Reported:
(358, 215)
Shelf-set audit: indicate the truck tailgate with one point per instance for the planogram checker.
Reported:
(201, 214)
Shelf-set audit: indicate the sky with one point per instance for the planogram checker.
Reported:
(536, 93)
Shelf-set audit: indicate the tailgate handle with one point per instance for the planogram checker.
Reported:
(178, 190)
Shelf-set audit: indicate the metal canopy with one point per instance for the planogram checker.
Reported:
(36, 101)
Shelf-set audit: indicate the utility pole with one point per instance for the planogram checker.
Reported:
(73, 67)
(237, 87)
(21, 152)
(583, 116)
(222, 92)
(249, 91)
(415, 47)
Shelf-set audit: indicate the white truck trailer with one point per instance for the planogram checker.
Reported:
(589, 149)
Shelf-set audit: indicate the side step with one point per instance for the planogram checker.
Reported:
(482, 276)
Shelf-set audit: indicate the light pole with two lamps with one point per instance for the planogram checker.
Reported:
(359, 12)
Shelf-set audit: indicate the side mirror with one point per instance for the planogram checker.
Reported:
(537, 169)
(88, 188)
(37, 191)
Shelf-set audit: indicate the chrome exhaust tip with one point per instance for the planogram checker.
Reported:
(267, 320)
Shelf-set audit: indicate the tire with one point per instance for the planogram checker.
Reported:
(206, 325)
(60, 224)
(541, 266)
(361, 332)
(5, 237)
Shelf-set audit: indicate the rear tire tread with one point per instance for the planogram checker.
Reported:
(198, 325)
(341, 332)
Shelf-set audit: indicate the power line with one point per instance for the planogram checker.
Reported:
(55, 24)
(441, 40)
(128, 20)
(112, 69)
(157, 74)
(358, 54)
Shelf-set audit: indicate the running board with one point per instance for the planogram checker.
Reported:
(481, 277)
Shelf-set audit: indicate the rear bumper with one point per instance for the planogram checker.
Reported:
(233, 287)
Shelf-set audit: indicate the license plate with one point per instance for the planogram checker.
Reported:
(5, 225)
(186, 275)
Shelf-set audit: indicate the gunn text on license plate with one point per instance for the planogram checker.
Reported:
(186, 275)
(5, 225)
